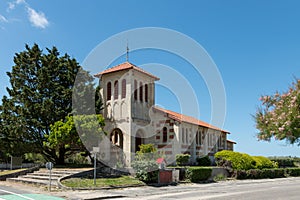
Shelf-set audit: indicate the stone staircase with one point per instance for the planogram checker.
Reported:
(41, 177)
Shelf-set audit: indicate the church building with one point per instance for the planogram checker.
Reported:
(132, 119)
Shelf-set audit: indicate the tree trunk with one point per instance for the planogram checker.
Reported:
(61, 156)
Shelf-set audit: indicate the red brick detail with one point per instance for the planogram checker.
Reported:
(171, 130)
(168, 152)
(157, 137)
(164, 146)
(171, 137)
(165, 176)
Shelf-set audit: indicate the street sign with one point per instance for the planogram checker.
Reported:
(96, 149)
(49, 165)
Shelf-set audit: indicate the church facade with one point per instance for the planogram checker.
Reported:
(132, 119)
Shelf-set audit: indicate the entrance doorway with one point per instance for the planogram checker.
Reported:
(139, 140)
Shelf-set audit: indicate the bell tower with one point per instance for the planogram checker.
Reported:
(128, 93)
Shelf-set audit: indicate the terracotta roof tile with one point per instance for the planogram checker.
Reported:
(230, 141)
(124, 66)
(184, 118)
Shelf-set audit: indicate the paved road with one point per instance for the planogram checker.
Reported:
(288, 188)
(267, 189)
(13, 193)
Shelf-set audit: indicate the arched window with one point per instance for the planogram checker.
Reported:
(146, 92)
(108, 91)
(135, 90)
(116, 138)
(197, 138)
(123, 88)
(186, 136)
(182, 136)
(141, 91)
(165, 134)
(116, 91)
(200, 137)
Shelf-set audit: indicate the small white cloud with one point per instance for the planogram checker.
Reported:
(38, 19)
(12, 5)
(3, 19)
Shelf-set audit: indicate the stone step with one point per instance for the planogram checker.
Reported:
(42, 173)
(41, 177)
(46, 174)
(30, 176)
(32, 181)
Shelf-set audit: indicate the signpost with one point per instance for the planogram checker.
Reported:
(49, 166)
(95, 151)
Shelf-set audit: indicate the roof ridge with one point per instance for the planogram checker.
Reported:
(124, 66)
(182, 116)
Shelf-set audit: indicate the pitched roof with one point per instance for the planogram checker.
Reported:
(184, 118)
(230, 141)
(125, 66)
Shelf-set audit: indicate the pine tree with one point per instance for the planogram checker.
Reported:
(40, 95)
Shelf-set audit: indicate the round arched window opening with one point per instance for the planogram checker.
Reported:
(116, 138)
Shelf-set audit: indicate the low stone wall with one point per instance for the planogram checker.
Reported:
(215, 172)
(24, 165)
(16, 174)
(90, 173)
(218, 171)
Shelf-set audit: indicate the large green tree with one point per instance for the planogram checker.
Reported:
(65, 140)
(40, 95)
(279, 116)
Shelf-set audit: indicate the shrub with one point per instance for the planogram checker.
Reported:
(284, 162)
(204, 161)
(197, 174)
(293, 171)
(182, 159)
(234, 160)
(260, 174)
(35, 158)
(145, 166)
(78, 158)
(240, 174)
(262, 162)
(146, 170)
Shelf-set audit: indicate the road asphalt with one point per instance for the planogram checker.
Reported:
(285, 188)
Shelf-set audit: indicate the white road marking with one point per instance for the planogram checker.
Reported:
(19, 195)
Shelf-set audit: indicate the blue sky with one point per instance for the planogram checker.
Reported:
(255, 45)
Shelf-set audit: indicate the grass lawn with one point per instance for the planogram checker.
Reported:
(101, 182)
(10, 171)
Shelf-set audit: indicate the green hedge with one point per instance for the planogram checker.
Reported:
(293, 171)
(204, 161)
(284, 162)
(197, 174)
(266, 173)
(242, 161)
(182, 159)
(234, 160)
(262, 162)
